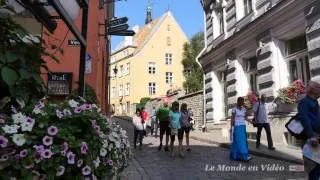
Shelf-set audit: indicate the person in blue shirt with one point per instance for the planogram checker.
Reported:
(309, 115)
(175, 127)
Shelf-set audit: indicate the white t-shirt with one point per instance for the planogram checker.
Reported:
(239, 118)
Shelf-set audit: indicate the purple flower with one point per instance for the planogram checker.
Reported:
(77, 110)
(84, 148)
(59, 114)
(38, 158)
(93, 123)
(17, 157)
(71, 157)
(47, 140)
(3, 142)
(39, 148)
(80, 162)
(40, 105)
(97, 128)
(94, 177)
(46, 154)
(86, 107)
(52, 130)
(23, 153)
(60, 171)
(2, 121)
(4, 157)
(86, 170)
(110, 162)
(67, 112)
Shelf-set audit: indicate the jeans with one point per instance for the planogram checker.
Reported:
(315, 173)
(136, 134)
(266, 126)
(154, 126)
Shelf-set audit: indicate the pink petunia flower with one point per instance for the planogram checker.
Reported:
(52, 130)
(3, 141)
(39, 148)
(23, 153)
(47, 140)
(71, 157)
(46, 154)
(84, 148)
(77, 110)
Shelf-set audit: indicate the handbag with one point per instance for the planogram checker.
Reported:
(295, 127)
(254, 120)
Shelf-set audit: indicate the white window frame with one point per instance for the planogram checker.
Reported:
(121, 73)
(152, 68)
(128, 69)
(152, 88)
(252, 74)
(169, 77)
(120, 90)
(127, 90)
(247, 7)
(168, 58)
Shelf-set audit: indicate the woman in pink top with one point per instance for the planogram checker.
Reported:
(138, 128)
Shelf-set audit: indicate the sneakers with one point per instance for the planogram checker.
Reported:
(188, 150)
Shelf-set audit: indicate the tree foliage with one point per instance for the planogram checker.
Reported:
(192, 70)
(20, 61)
(143, 102)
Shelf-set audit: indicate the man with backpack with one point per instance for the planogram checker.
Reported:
(261, 119)
(309, 116)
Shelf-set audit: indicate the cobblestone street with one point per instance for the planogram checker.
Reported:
(204, 162)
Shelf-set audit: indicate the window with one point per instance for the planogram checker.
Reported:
(113, 92)
(127, 91)
(128, 107)
(168, 41)
(169, 77)
(168, 27)
(128, 68)
(168, 58)
(121, 90)
(152, 68)
(121, 71)
(101, 4)
(247, 7)
(295, 45)
(252, 73)
(220, 21)
(152, 88)
(298, 62)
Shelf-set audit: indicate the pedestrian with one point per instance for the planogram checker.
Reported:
(175, 128)
(239, 146)
(191, 118)
(145, 118)
(261, 119)
(185, 123)
(154, 124)
(162, 115)
(309, 115)
(138, 128)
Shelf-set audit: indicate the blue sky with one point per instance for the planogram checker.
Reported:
(188, 13)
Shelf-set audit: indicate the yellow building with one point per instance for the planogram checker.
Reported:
(147, 64)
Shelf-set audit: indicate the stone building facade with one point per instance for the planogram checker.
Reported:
(257, 45)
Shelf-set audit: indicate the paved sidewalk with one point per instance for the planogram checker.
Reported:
(282, 152)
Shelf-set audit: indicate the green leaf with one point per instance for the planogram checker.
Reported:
(24, 74)
(37, 78)
(11, 56)
(2, 58)
(10, 76)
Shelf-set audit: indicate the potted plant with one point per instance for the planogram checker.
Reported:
(287, 97)
(70, 140)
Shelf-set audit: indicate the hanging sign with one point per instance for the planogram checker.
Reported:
(59, 83)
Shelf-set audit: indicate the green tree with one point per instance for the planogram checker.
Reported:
(143, 102)
(192, 70)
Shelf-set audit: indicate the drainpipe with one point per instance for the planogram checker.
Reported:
(203, 128)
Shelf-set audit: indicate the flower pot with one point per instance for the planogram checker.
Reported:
(287, 108)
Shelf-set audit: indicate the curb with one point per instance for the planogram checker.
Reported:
(227, 146)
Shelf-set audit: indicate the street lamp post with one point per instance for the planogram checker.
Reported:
(115, 71)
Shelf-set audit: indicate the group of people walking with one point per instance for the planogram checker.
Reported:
(174, 121)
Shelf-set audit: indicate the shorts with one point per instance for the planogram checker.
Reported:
(180, 135)
(185, 129)
(164, 128)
